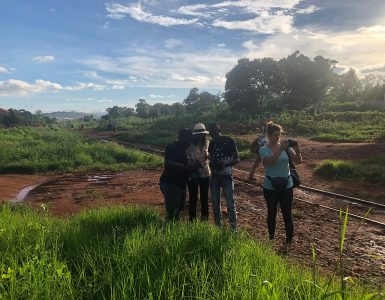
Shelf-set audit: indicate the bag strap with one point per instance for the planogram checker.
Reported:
(291, 164)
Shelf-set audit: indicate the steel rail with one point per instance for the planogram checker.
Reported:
(367, 220)
(341, 196)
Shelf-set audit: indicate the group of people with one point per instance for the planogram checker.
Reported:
(206, 165)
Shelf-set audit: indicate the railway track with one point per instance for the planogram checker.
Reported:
(350, 201)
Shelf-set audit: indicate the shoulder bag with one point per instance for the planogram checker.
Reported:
(293, 171)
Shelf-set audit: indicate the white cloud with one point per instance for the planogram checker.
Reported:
(308, 10)
(265, 23)
(118, 12)
(23, 88)
(221, 45)
(194, 10)
(44, 59)
(82, 86)
(153, 96)
(161, 68)
(117, 87)
(3, 70)
(267, 17)
(172, 43)
(360, 49)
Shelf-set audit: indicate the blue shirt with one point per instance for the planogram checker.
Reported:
(279, 169)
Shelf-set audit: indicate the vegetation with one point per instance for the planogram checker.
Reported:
(31, 150)
(372, 169)
(130, 253)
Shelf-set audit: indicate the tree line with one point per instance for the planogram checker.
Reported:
(253, 88)
(265, 85)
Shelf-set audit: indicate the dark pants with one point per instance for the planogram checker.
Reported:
(203, 185)
(173, 199)
(285, 200)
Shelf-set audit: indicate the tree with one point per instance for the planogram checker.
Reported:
(199, 103)
(307, 81)
(191, 100)
(143, 109)
(178, 109)
(349, 85)
(250, 82)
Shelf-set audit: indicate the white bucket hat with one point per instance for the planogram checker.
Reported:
(200, 129)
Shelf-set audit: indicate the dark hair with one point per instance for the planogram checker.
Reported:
(197, 138)
(214, 126)
(272, 127)
(185, 134)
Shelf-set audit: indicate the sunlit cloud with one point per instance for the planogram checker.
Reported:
(22, 88)
(266, 23)
(367, 44)
(44, 59)
(308, 10)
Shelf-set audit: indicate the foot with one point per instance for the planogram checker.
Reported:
(285, 249)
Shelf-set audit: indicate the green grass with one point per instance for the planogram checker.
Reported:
(349, 126)
(372, 169)
(131, 253)
(37, 150)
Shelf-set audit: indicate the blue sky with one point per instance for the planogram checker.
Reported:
(87, 55)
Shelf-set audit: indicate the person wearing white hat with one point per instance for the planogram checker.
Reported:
(200, 179)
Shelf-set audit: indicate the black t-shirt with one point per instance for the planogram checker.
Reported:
(175, 153)
(222, 149)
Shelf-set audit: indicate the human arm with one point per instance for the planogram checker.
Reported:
(270, 157)
(235, 155)
(173, 161)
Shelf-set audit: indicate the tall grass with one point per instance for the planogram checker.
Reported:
(372, 169)
(131, 253)
(31, 150)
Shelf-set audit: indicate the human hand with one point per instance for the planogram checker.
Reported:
(284, 145)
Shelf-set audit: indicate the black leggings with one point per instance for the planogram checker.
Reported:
(285, 200)
(203, 184)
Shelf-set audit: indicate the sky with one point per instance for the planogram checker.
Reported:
(87, 55)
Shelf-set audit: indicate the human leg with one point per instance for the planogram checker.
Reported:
(204, 184)
(228, 190)
(286, 202)
(215, 187)
(172, 195)
(193, 195)
(254, 166)
(272, 205)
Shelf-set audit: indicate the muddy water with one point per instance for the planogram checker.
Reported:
(22, 194)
